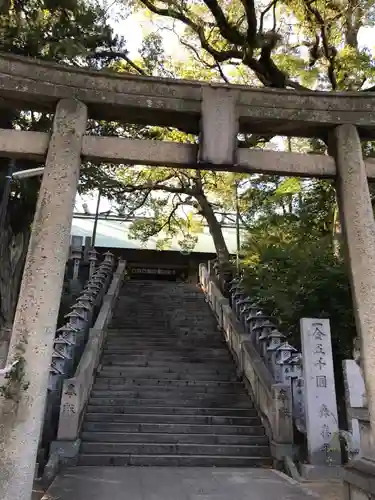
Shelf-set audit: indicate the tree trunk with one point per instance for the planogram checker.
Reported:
(14, 239)
(13, 249)
(215, 230)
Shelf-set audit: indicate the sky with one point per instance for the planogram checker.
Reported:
(134, 28)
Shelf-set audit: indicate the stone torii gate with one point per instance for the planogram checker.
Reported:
(218, 113)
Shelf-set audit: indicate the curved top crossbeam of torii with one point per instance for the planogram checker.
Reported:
(30, 84)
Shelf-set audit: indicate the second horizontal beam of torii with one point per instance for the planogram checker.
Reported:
(34, 145)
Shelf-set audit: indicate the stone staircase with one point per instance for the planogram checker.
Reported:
(166, 392)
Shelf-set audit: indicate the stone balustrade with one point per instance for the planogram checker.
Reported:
(272, 395)
(71, 338)
(76, 390)
(274, 370)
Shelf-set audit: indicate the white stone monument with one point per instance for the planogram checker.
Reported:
(320, 395)
(354, 391)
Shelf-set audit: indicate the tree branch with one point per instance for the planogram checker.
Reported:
(221, 56)
(138, 205)
(118, 55)
(264, 12)
(251, 19)
(264, 68)
(329, 53)
(157, 187)
(227, 31)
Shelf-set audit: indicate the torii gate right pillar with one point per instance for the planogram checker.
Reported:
(358, 224)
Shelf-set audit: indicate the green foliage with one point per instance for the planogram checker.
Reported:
(72, 31)
(296, 279)
(285, 43)
(291, 264)
(172, 202)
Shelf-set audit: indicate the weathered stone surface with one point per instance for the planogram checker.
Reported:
(359, 480)
(272, 398)
(23, 401)
(168, 483)
(358, 223)
(354, 394)
(76, 390)
(219, 126)
(33, 145)
(154, 101)
(320, 394)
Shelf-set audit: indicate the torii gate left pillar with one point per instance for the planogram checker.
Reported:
(22, 395)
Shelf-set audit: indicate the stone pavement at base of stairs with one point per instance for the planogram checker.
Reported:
(167, 483)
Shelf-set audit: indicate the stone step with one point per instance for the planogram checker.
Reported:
(152, 352)
(172, 367)
(133, 407)
(157, 366)
(143, 360)
(183, 343)
(130, 338)
(239, 450)
(179, 348)
(166, 392)
(138, 326)
(180, 368)
(131, 335)
(173, 460)
(200, 385)
(139, 329)
(213, 439)
(163, 392)
(227, 370)
(153, 329)
(107, 372)
(95, 414)
(204, 402)
(159, 438)
(136, 427)
(171, 364)
(176, 352)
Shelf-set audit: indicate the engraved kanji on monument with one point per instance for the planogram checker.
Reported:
(320, 394)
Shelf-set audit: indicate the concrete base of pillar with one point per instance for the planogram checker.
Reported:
(359, 480)
(67, 451)
(62, 453)
(317, 472)
(281, 450)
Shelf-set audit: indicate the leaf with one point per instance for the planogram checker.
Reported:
(290, 185)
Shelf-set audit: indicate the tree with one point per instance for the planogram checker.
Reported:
(76, 32)
(188, 198)
(283, 43)
(167, 201)
(298, 44)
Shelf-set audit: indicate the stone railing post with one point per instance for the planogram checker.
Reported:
(76, 255)
(86, 248)
(22, 402)
(93, 258)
